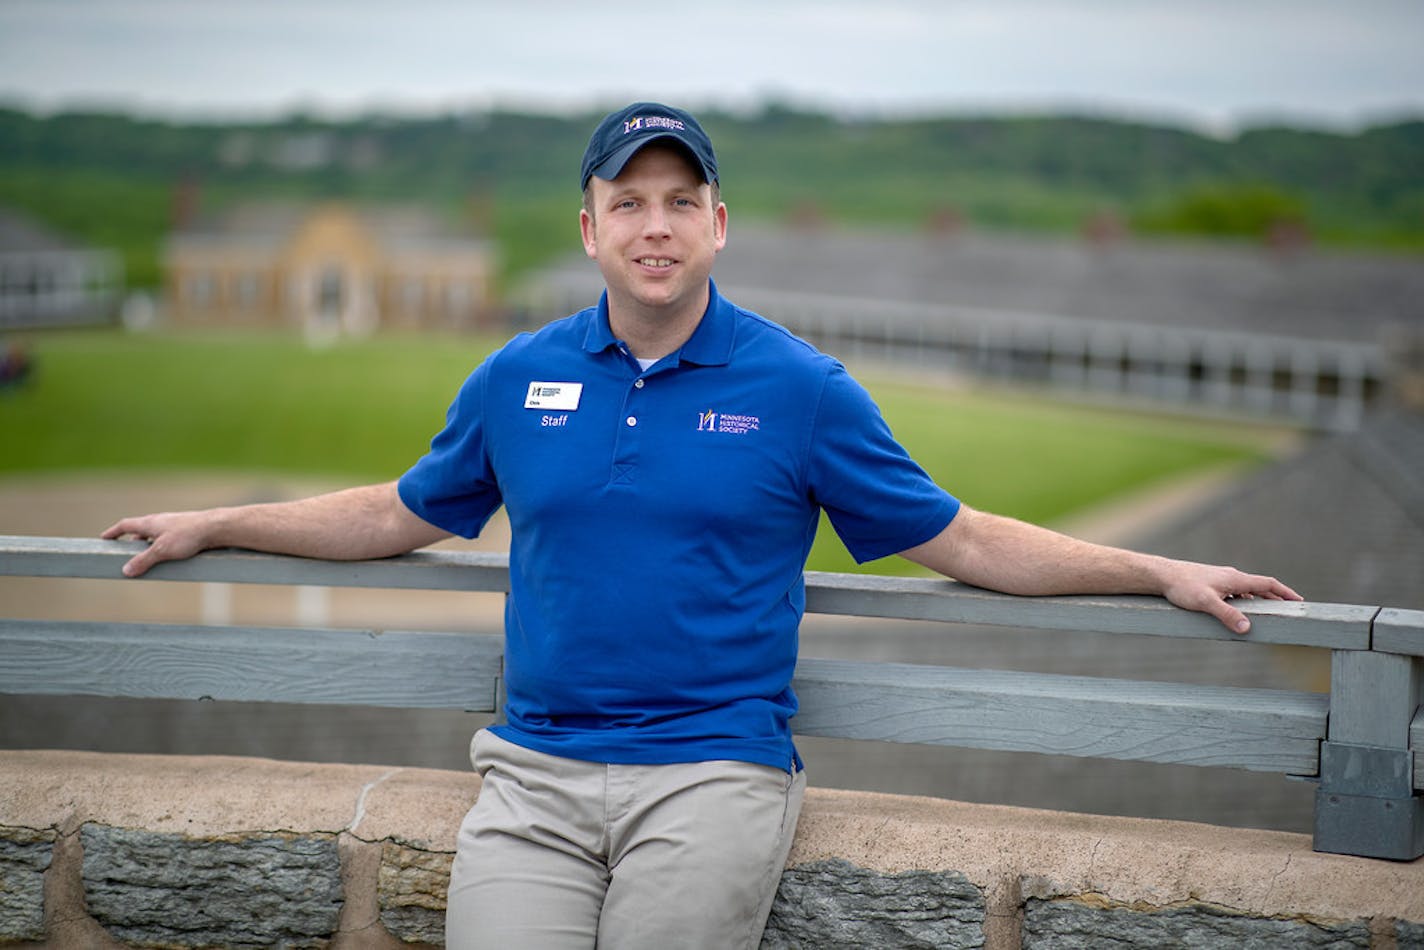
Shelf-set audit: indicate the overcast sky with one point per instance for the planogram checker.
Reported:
(1210, 63)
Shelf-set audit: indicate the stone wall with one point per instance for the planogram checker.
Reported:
(104, 851)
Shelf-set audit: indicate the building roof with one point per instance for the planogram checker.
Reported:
(1310, 292)
(1303, 293)
(270, 224)
(1341, 522)
(21, 233)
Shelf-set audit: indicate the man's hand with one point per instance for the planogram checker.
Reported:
(1210, 590)
(1011, 556)
(172, 536)
(349, 525)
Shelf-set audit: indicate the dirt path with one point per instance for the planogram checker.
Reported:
(1123, 520)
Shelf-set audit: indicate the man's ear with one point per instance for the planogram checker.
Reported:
(719, 224)
(588, 232)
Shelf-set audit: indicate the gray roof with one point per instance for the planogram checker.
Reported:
(1302, 293)
(21, 233)
(1343, 521)
(269, 224)
(1305, 292)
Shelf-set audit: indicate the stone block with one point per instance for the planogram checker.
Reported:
(836, 904)
(25, 854)
(1408, 935)
(254, 890)
(411, 891)
(1078, 924)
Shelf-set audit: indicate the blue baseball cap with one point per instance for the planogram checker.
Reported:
(621, 134)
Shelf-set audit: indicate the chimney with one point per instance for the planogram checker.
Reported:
(184, 201)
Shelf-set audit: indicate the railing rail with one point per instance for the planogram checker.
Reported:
(1323, 382)
(1360, 741)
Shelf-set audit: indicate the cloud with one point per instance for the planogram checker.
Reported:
(1208, 59)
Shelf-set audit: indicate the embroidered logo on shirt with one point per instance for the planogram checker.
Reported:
(728, 422)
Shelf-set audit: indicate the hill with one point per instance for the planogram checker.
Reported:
(111, 179)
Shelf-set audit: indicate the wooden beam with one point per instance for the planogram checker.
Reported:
(1416, 743)
(1373, 697)
(1299, 623)
(93, 558)
(257, 664)
(1400, 631)
(1261, 730)
(1336, 626)
(1069, 715)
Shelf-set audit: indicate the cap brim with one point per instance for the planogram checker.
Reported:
(612, 166)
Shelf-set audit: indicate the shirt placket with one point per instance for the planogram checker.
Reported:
(627, 441)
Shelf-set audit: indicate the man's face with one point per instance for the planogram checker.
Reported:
(654, 232)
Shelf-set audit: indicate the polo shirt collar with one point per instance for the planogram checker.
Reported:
(709, 345)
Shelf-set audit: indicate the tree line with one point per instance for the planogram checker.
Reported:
(110, 179)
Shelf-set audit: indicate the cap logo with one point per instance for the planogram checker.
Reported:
(622, 133)
(652, 122)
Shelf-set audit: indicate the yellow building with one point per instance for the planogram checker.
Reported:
(329, 270)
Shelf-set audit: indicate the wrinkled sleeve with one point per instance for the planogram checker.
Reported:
(453, 485)
(878, 499)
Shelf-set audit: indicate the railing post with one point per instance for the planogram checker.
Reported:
(500, 697)
(1366, 804)
(500, 691)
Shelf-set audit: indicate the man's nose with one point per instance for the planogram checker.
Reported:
(656, 220)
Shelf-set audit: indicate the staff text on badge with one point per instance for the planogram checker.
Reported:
(561, 396)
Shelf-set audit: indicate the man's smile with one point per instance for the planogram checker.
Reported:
(655, 261)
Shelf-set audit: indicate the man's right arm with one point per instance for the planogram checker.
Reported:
(355, 524)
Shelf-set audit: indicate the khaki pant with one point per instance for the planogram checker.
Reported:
(561, 853)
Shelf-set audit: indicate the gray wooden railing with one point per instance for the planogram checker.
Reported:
(1361, 742)
(1323, 382)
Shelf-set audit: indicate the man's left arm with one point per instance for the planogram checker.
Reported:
(1015, 557)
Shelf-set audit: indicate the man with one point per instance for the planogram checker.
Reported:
(663, 458)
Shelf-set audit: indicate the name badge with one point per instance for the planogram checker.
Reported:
(561, 396)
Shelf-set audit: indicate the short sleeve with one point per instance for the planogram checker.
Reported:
(453, 485)
(878, 499)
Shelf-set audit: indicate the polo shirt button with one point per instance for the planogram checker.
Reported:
(632, 420)
(637, 384)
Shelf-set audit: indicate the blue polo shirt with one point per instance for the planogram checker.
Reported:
(660, 521)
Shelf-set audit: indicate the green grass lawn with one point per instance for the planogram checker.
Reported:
(1038, 460)
(363, 411)
(107, 400)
